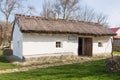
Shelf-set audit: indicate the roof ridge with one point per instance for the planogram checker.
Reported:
(30, 16)
(49, 19)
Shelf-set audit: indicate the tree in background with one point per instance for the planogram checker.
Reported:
(67, 8)
(6, 8)
(63, 8)
(85, 14)
(101, 19)
(31, 10)
(47, 11)
(71, 9)
(88, 14)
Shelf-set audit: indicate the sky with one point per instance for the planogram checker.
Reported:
(111, 8)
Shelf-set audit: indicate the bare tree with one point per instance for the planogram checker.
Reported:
(86, 14)
(67, 8)
(31, 10)
(101, 19)
(56, 10)
(64, 8)
(71, 9)
(47, 9)
(7, 7)
(1, 34)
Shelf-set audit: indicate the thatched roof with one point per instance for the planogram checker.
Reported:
(32, 24)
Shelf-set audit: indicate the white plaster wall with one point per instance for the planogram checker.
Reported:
(34, 44)
(105, 49)
(17, 42)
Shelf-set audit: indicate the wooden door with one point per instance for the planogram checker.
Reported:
(88, 46)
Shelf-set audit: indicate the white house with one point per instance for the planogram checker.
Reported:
(50, 37)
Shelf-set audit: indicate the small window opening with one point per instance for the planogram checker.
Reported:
(100, 44)
(58, 44)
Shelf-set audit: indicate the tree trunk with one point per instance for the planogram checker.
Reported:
(112, 47)
(5, 37)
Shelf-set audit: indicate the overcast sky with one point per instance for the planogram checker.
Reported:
(111, 8)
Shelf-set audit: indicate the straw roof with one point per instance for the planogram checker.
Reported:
(32, 24)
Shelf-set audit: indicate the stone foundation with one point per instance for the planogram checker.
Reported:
(53, 57)
(66, 59)
(102, 55)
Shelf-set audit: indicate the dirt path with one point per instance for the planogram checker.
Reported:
(28, 68)
(80, 59)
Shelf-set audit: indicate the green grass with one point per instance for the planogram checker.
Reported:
(94, 70)
(116, 52)
(5, 64)
(1, 52)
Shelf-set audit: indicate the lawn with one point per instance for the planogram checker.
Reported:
(116, 52)
(1, 52)
(94, 70)
(5, 64)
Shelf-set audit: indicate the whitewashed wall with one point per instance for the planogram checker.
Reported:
(17, 42)
(34, 44)
(45, 44)
(105, 49)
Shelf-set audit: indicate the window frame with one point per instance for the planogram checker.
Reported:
(58, 44)
(100, 44)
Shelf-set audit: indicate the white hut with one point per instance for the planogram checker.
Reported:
(48, 37)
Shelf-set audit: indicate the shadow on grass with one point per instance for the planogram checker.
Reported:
(3, 60)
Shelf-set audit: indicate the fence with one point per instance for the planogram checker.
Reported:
(116, 45)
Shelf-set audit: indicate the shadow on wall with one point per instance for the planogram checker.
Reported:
(31, 37)
(103, 39)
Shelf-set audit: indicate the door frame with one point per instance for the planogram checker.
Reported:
(85, 44)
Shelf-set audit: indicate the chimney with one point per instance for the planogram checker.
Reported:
(56, 16)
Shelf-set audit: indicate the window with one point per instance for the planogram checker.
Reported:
(58, 44)
(100, 44)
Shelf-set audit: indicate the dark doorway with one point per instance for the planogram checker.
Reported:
(85, 46)
(80, 46)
